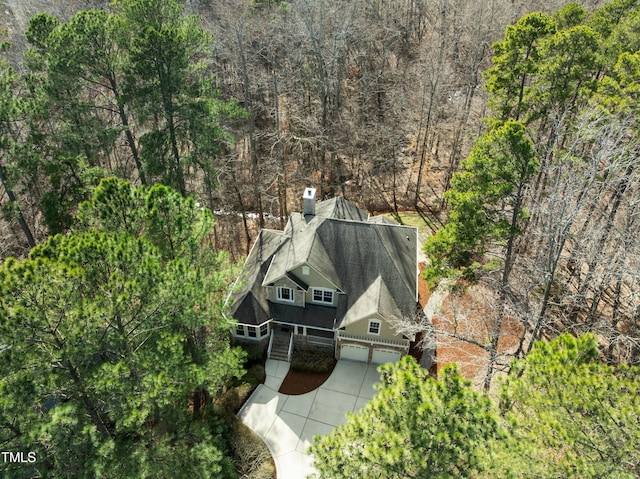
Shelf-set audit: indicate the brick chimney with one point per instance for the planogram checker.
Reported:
(309, 201)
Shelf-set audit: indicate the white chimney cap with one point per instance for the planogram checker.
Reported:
(309, 194)
(309, 201)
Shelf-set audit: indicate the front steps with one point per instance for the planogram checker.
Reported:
(280, 348)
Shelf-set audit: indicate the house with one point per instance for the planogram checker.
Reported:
(335, 277)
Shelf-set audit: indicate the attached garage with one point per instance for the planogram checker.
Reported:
(354, 352)
(381, 356)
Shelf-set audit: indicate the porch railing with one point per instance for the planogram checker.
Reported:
(371, 341)
(270, 344)
(290, 352)
(319, 340)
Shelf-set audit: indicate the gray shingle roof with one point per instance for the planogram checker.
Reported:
(362, 252)
(376, 299)
(340, 209)
(312, 316)
(373, 263)
(248, 301)
(303, 247)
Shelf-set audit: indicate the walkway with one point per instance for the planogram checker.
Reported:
(288, 424)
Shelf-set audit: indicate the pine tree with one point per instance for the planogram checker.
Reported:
(570, 414)
(415, 426)
(114, 347)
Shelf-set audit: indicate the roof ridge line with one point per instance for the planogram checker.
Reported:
(380, 282)
(390, 255)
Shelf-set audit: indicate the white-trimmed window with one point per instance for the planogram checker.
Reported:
(374, 327)
(264, 330)
(324, 296)
(239, 330)
(252, 333)
(285, 294)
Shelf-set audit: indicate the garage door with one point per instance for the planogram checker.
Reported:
(381, 356)
(354, 352)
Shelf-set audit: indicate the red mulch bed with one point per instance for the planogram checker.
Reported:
(298, 382)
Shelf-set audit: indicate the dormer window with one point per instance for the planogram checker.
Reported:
(323, 296)
(285, 294)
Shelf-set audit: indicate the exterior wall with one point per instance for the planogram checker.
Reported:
(301, 338)
(361, 328)
(258, 342)
(303, 342)
(309, 297)
(313, 278)
(299, 295)
(246, 336)
(263, 343)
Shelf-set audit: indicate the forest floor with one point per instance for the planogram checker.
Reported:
(463, 324)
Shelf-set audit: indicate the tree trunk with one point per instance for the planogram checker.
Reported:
(127, 129)
(21, 221)
(175, 152)
(282, 174)
(504, 286)
(253, 157)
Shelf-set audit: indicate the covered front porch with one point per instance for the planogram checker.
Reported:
(291, 326)
(286, 336)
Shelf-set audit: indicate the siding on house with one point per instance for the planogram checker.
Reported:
(361, 329)
(299, 295)
(314, 278)
(311, 300)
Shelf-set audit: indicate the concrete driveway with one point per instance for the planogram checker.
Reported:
(288, 424)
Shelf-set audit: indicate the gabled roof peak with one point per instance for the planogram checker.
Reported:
(342, 209)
